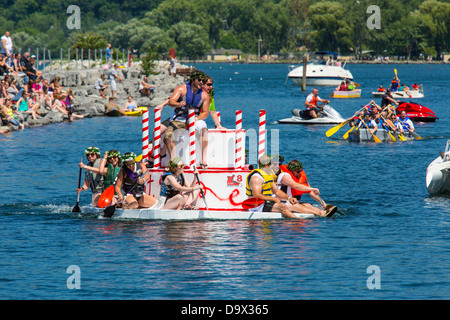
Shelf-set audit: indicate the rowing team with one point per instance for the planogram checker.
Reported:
(118, 181)
(374, 117)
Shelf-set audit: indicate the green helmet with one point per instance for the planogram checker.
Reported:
(129, 156)
(114, 153)
(92, 150)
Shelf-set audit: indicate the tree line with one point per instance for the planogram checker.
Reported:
(193, 27)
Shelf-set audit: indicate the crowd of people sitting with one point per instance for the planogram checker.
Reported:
(23, 90)
(375, 117)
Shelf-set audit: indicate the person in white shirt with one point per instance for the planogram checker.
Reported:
(7, 47)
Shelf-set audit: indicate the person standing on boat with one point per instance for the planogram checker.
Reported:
(260, 185)
(93, 178)
(189, 95)
(179, 193)
(404, 123)
(387, 99)
(131, 179)
(311, 102)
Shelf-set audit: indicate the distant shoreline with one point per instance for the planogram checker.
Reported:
(300, 62)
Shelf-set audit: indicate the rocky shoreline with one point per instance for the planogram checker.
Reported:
(87, 100)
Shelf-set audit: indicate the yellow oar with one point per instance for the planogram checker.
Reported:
(377, 140)
(345, 136)
(138, 158)
(335, 129)
(387, 128)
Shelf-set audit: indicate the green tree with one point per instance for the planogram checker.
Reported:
(191, 39)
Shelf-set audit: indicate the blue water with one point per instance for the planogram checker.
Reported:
(388, 219)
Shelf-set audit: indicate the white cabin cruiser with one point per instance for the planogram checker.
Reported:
(321, 72)
(438, 173)
(328, 115)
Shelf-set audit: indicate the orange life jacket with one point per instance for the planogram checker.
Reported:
(302, 180)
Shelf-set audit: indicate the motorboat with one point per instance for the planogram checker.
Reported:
(413, 94)
(321, 72)
(347, 94)
(438, 173)
(416, 112)
(364, 135)
(327, 115)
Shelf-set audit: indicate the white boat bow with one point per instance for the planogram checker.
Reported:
(438, 173)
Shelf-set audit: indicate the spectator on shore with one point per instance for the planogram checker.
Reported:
(111, 105)
(7, 46)
(9, 113)
(109, 54)
(100, 86)
(145, 88)
(112, 79)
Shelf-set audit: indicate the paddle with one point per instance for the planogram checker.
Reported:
(335, 129)
(345, 136)
(377, 140)
(251, 203)
(201, 190)
(106, 197)
(387, 128)
(77, 207)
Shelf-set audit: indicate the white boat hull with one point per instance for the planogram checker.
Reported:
(401, 94)
(328, 116)
(160, 214)
(364, 135)
(320, 75)
(438, 174)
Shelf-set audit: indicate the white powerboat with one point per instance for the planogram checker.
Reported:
(438, 173)
(321, 72)
(327, 115)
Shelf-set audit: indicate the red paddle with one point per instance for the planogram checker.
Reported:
(106, 197)
(251, 203)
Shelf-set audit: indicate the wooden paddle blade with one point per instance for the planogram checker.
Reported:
(106, 197)
(335, 129)
(252, 203)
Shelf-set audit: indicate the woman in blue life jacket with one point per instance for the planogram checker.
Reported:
(130, 183)
(179, 193)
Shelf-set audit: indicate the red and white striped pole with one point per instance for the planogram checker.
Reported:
(262, 133)
(218, 117)
(157, 139)
(238, 141)
(191, 129)
(145, 134)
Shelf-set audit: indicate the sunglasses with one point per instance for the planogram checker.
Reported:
(129, 163)
(180, 166)
(209, 84)
(90, 154)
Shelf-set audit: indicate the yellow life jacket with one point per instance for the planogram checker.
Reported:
(266, 187)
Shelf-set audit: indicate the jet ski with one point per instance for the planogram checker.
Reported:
(327, 115)
(416, 112)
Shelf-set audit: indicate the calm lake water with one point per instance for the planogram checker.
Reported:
(389, 222)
